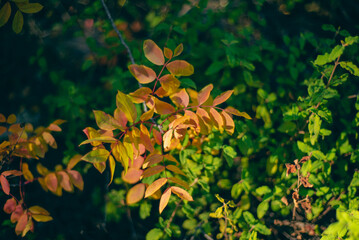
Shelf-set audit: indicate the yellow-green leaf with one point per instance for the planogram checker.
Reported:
(178, 50)
(124, 103)
(29, 7)
(112, 164)
(106, 121)
(18, 22)
(105, 139)
(97, 155)
(153, 53)
(5, 13)
(234, 111)
(38, 210)
(42, 218)
(168, 53)
(147, 115)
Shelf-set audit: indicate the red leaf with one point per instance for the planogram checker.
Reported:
(65, 181)
(76, 179)
(180, 68)
(217, 119)
(222, 98)
(5, 185)
(142, 73)
(21, 224)
(152, 159)
(10, 205)
(16, 214)
(49, 139)
(164, 199)
(153, 53)
(136, 193)
(203, 95)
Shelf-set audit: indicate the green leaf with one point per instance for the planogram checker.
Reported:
(236, 190)
(5, 13)
(29, 7)
(314, 128)
(187, 82)
(287, 127)
(96, 156)
(327, 58)
(263, 229)
(262, 209)
(229, 154)
(351, 67)
(154, 234)
(304, 147)
(18, 22)
(248, 216)
(263, 190)
(124, 103)
(145, 210)
(214, 68)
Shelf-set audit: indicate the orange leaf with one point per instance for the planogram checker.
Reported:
(169, 83)
(171, 158)
(147, 115)
(140, 95)
(120, 117)
(12, 172)
(160, 92)
(178, 50)
(135, 194)
(157, 135)
(175, 169)
(237, 113)
(2, 118)
(76, 179)
(229, 123)
(137, 162)
(222, 98)
(54, 127)
(204, 116)
(217, 119)
(49, 139)
(21, 224)
(163, 107)
(10, 205)
(2, 130)
(35, 210)
(168, 53)
(181, 98)
(180, 68)
(16, 214)
(179, 182)
(132, 176)
(51, 182)
(124, 103)
(65, 181)
(152, 159)
(153, 53)
(11, 119)
(164, 199)
(182, 193)
(203, 95)
(156, 185)
(153, 170)
(112, 164)
(27, 173)
(142, 73)
(167, 139)
(5, 185)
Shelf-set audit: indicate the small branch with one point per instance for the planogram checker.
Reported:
(332, 74)
(118, 32)
(173, 214)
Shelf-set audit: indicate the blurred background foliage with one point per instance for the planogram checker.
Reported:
(68, 61)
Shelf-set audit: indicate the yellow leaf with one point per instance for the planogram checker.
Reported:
(11, 119)
(100, 166)
(153, 53)
(156, 185)
(217, 119)
(124, 103)
(41, 169)
(147, 115)
(164, 199)
(181, 193)
(167, 137)
(73, 161)
(112, 164)
(97, 155)
(29, 7)
(171, 158)
(105, 139)
(168, 53)
(42, 218)
(135, 194)
(49, 139)
(169, 83)
(180, 68)
(142, 73)
(163, 107)
(140, 95)
(27, 173)
(179, 182)
(152, 159)
(38, 210)
(106, 121)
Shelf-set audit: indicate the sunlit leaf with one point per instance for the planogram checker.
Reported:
(229, 123)
(169, 83)
(5, 13)
(153, 170)
(97, 155)
(38, 210)
(168, 53)
(163, 107)
(181, 98)
(51, 182)
(104, 139)
(142, 73)
(132, 176)
(164, 199)
(167, 137)
(124, 103)
(147, 115)
(156, 185)
(140, 95)
(18, 22)
(180, 68)
(178, 50)
(100, 166)
(153, 53)
(21, 224)
(157, 135)
(222, 98)
(152, 159)
(135, 194)
(65, 181)
(42, 218)
(203, 95)
(49, 139)
(234, 111)
(105, 121)
(179, 182)
(217, 119)
(181, 193)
